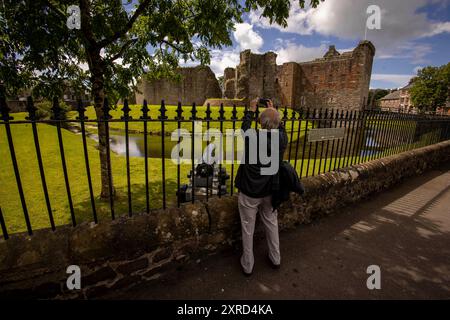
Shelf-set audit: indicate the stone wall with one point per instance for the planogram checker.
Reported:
(120, 253)
(334, 81)
(255, 75)
(229, 83)
(196, 85)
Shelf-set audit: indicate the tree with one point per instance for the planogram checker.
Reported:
(115, 45)
(430, 89)
(375, 95)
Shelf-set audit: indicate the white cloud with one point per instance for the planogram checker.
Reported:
(247, 38)
(401, 22)
(398, 80)
(437, 28)
(299, 53)
(415, 52)
(221, 59)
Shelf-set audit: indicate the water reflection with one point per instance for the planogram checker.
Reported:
(137, 147)
(369, 147)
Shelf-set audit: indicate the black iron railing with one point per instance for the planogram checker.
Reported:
(320, 140)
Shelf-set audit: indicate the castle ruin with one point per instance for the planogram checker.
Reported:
(196, 85)
(337, 80)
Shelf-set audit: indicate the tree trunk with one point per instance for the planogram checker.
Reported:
(99, 95)
(97, 69)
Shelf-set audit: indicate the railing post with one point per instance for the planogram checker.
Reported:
(32, 117)
(304, 142)
(208, 119)
(126, 117)
(325, 124)
(233, 118)
(179, 117)
(3, 225)
(316, 143)
(221, 119)
(310, 143)
(82, 117)
(58, 116)
(6, 118)
(292, 134)
(300, 116)
(193, 118)
(105, 118)
(163, 118)
(145, 117)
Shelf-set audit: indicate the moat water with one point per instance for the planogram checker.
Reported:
(154, 145)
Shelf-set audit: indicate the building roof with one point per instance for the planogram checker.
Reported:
(408, 86)
(392, 96)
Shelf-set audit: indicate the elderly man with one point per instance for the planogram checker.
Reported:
(255, 190)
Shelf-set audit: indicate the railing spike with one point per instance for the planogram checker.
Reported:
(193, 112)
(31, 109)
(126, 111)
(56, 110)
(179, 112)
(208, 111)
(106, 109)
(162, 111)
(145, 111)
(221, 112)
(234, 113)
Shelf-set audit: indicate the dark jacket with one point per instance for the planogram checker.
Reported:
(248, 177)
(288, 182)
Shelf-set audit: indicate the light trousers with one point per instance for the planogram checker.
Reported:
(248, 208)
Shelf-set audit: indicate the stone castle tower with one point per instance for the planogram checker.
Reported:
(336, 80)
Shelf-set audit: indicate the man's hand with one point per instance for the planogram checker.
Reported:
(253, 105)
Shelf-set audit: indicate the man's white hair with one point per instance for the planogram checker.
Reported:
(269, 119)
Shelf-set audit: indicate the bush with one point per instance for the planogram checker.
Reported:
(44, 109)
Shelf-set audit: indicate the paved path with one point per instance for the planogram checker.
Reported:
(406, 231)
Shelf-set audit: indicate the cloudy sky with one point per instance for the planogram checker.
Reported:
(413, 34)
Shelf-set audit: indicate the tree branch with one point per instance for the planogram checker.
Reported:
(52, 6)
(86, 27)
(174, 46)
(122, 50)
(127, 27)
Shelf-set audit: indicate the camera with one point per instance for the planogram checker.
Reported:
(263, 102)
(208, 179)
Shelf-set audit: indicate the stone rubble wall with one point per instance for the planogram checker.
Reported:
(196, 85)
(117, 254)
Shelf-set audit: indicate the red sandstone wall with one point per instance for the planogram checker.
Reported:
(336, 81)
